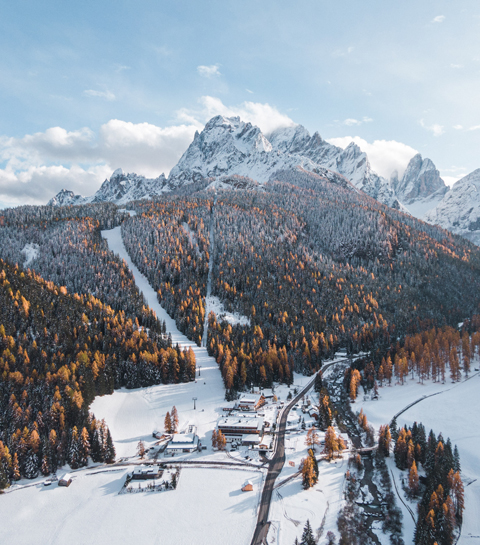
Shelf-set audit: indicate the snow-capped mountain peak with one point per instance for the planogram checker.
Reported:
(421, 180)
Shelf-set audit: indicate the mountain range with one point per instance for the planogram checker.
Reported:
(228, 146)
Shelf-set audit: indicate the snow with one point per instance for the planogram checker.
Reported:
(132, 415)
(208, 508)
(215, 305)
(192, 238)
(451, 409)
(421, 207)
(208, 505)
(31, 252)
(292, 505)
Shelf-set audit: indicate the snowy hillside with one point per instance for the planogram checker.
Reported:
(120, 189)
(229, 146)
(459, 210)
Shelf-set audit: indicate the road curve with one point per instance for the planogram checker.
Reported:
(276, 466)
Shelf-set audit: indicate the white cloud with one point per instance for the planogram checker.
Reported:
(474, 128)
(385, 156)
(439, 19)
(458, 127)
(436, 129)
(108, 95)
(457, 66)
(267, 117)
(343, 52)
(350, 122)
(209, 71)
(37, 166)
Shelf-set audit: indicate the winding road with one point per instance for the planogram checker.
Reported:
(276, 466)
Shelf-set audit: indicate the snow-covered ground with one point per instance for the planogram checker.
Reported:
(453, 412)
(292, 506)
(133, 415)
(213, 304)
(207, 507)
(30, 251)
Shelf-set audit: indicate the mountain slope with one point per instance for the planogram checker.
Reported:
(119, 189)
(459, 210)
(421, 188)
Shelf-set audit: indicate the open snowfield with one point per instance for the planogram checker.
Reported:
(292, 506)
(207, 508)
(455, 413)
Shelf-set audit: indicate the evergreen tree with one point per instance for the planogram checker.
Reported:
(31, 465)
(307, 536)
(174, 419)
(109, 452)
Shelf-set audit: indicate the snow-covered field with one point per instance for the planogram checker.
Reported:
(207, 507)
(292, 506)
(454, 412)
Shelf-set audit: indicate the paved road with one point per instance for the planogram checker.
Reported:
(276, 466)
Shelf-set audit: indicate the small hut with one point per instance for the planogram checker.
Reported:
(247, 487)
(66, 480)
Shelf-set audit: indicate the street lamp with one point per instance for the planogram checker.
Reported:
(194, 404)
(199, 368)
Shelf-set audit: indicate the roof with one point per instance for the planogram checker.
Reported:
(235, 422)
(251, 438)
(250, 399)
(184, 438)
(147, 470)
(66, 477)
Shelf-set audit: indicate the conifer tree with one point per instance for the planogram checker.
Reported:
(308, 473)
(214, 439)
(168, 423)
(141, 449)
(174, 419)
(413, 479)
(109, 449)
(312, 439)
(307, 536)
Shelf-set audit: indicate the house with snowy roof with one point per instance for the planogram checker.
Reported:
(182, 443)
(249, 402)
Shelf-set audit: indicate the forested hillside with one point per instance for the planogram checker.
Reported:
(314, 264)
(59, 349)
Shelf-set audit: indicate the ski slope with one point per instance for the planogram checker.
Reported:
(133, 415)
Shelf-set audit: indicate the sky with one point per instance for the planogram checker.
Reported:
(91, 86)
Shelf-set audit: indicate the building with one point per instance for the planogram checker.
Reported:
(182, 443)
(235, 427)
(251, 440)
(250, 402)
(247, 487)
(146, 472)
(66, 480)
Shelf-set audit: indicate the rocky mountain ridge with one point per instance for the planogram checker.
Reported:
(228, 146)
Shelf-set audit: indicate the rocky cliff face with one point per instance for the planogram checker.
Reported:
(119, 189)
(459, 210)
(228, 146)
(421, 180)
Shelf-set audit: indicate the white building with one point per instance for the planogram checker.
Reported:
(182, 443)
(235, 427)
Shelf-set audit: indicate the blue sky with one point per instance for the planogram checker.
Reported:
(87, 87)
